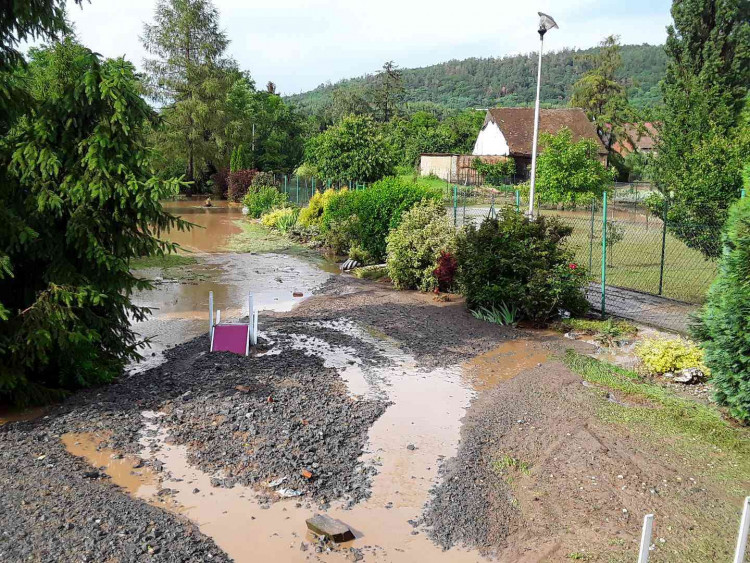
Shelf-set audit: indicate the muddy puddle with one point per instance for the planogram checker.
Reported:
(406, 445)
(22, 415)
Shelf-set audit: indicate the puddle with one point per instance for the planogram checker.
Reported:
(140, 482)
(23, 415)
(180, 308)
(218, 222)
(504, 362)
(426, 413)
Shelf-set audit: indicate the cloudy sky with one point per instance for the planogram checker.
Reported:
(302, 43)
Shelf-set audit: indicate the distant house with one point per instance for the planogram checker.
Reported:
(510, 132)
(640, 139)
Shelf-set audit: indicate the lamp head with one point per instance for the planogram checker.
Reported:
(545, 24)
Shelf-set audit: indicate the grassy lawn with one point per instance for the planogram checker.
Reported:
(164, 262)
(634, 262)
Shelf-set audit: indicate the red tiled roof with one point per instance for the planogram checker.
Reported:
(517, 125)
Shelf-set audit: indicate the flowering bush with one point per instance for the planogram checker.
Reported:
(281, 219)
(511, 260)
(312, 215)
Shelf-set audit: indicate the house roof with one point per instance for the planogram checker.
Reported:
(517, 126)
(645, 141)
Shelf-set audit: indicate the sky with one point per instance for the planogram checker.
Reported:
(299, 44)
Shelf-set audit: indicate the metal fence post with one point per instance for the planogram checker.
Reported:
(455, 206)
(604, 252)
(591, 238)
(297, 177)
(518, 201)
(742, 194)
(648, 523)
(739, 552)
(663, 245)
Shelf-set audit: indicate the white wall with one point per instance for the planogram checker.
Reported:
(442, 166)
(491, 142)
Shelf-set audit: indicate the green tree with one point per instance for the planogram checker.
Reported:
(355, 150)
(268, 129)
(569, 172)
(191, 76)
(701, 142)
(78, 201)
(388, 91)
(603, 96)
(724, 325)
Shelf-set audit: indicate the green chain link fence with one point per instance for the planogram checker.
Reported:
(640, 269)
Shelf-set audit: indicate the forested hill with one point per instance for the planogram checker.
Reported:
(507, 81)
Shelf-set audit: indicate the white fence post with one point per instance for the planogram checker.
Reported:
(739, 552)
(648, 523)
(210, 313)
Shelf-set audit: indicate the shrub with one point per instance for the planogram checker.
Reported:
(661, 355)
(219, 183)
(724, 326)
(510, 259)
(414, 247)
(445, 272)
(238, 184)
(313, 213)
(282, 218)
(341, 235)
(378, 209)
(241, 158)
(264, 179)
(263, 199)
(359, 255)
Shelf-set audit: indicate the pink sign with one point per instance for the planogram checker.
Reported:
(230, 338)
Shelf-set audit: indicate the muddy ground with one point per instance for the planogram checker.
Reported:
(353, 404)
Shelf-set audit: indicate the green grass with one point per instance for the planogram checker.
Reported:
(260, 240)
(376, 272)
(164, 262)
(695, 430)
(635, 261)
(606, 332)
(507, 462)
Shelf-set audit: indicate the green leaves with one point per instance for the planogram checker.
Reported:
(78, 201)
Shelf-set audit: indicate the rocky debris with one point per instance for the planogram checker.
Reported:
(297, 294)
(689, 376)
(331, 528)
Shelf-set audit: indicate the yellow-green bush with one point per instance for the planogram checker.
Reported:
(662, 355)
(312, 214)
(281, 218)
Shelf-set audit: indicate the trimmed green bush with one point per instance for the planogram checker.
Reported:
(312, 215)
(724, 326)
(264, 199)
(513, 261)
(378, 209)
(414, 247)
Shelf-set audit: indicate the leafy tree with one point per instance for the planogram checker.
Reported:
(702, 141)
(353, 150)
(269, 130)
(603, 96)
(724, 324)
(190, 74)
(569, 172)
(389, 90)
(78, 201)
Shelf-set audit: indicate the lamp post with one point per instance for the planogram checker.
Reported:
(545, 24)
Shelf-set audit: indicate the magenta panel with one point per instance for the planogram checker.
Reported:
(230, 338)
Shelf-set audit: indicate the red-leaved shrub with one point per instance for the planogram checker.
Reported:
(446, 270)
(238, 184)
(220, 182)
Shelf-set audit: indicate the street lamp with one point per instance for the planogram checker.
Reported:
(545, 24)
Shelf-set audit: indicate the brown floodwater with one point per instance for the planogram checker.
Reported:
(426, 412)
(141, 482)
(504, 362)
(216, 224)
(21, 415)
